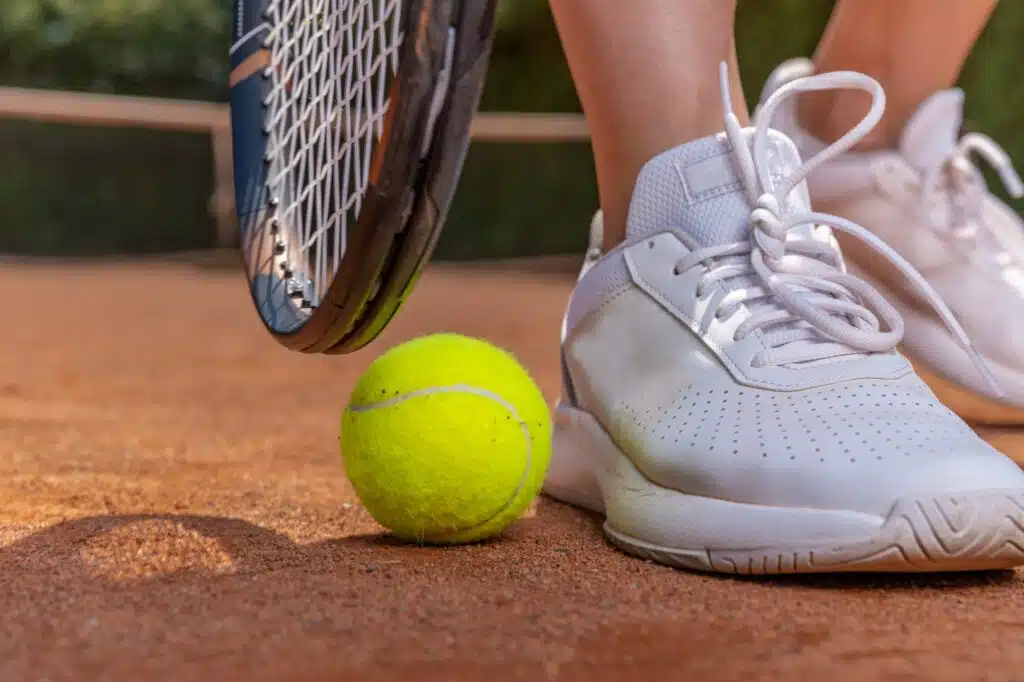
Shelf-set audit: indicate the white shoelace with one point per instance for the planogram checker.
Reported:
(957, 185)
(805, 306)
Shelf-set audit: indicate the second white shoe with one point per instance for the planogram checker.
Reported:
(733, 400)
(929, 202)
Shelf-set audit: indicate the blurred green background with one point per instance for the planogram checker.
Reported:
(77, 190)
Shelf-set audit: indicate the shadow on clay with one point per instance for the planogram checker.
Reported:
(58, 547)
(55, 553)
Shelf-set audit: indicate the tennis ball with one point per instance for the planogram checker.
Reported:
(446, 439)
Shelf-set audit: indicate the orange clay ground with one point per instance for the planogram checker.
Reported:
(172, 508)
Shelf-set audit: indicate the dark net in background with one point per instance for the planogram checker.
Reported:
(92, 191)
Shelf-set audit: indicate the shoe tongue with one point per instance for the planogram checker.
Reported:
(932, 132)
(696, 188)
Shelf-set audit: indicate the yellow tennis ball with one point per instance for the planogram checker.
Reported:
(446, 439)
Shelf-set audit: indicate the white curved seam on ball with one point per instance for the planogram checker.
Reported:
(482, 393)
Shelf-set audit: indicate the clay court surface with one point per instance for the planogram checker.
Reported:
(172, 507)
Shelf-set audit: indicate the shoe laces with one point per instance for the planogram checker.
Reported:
(799, 297)
(954, 191)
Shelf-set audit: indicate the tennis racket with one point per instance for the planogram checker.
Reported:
(350, 123)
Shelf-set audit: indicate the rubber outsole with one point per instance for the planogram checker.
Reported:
(917, 537)
(971, 531)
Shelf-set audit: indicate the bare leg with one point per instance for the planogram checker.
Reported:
(647, 75)
(912, 47)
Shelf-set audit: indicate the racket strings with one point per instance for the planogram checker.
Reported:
(331, 64)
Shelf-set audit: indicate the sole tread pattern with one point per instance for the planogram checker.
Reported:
(970, 532)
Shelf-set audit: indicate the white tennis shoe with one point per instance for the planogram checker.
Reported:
(733, 400)
(930, 203)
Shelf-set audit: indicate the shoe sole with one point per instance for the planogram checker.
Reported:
(973, 531)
